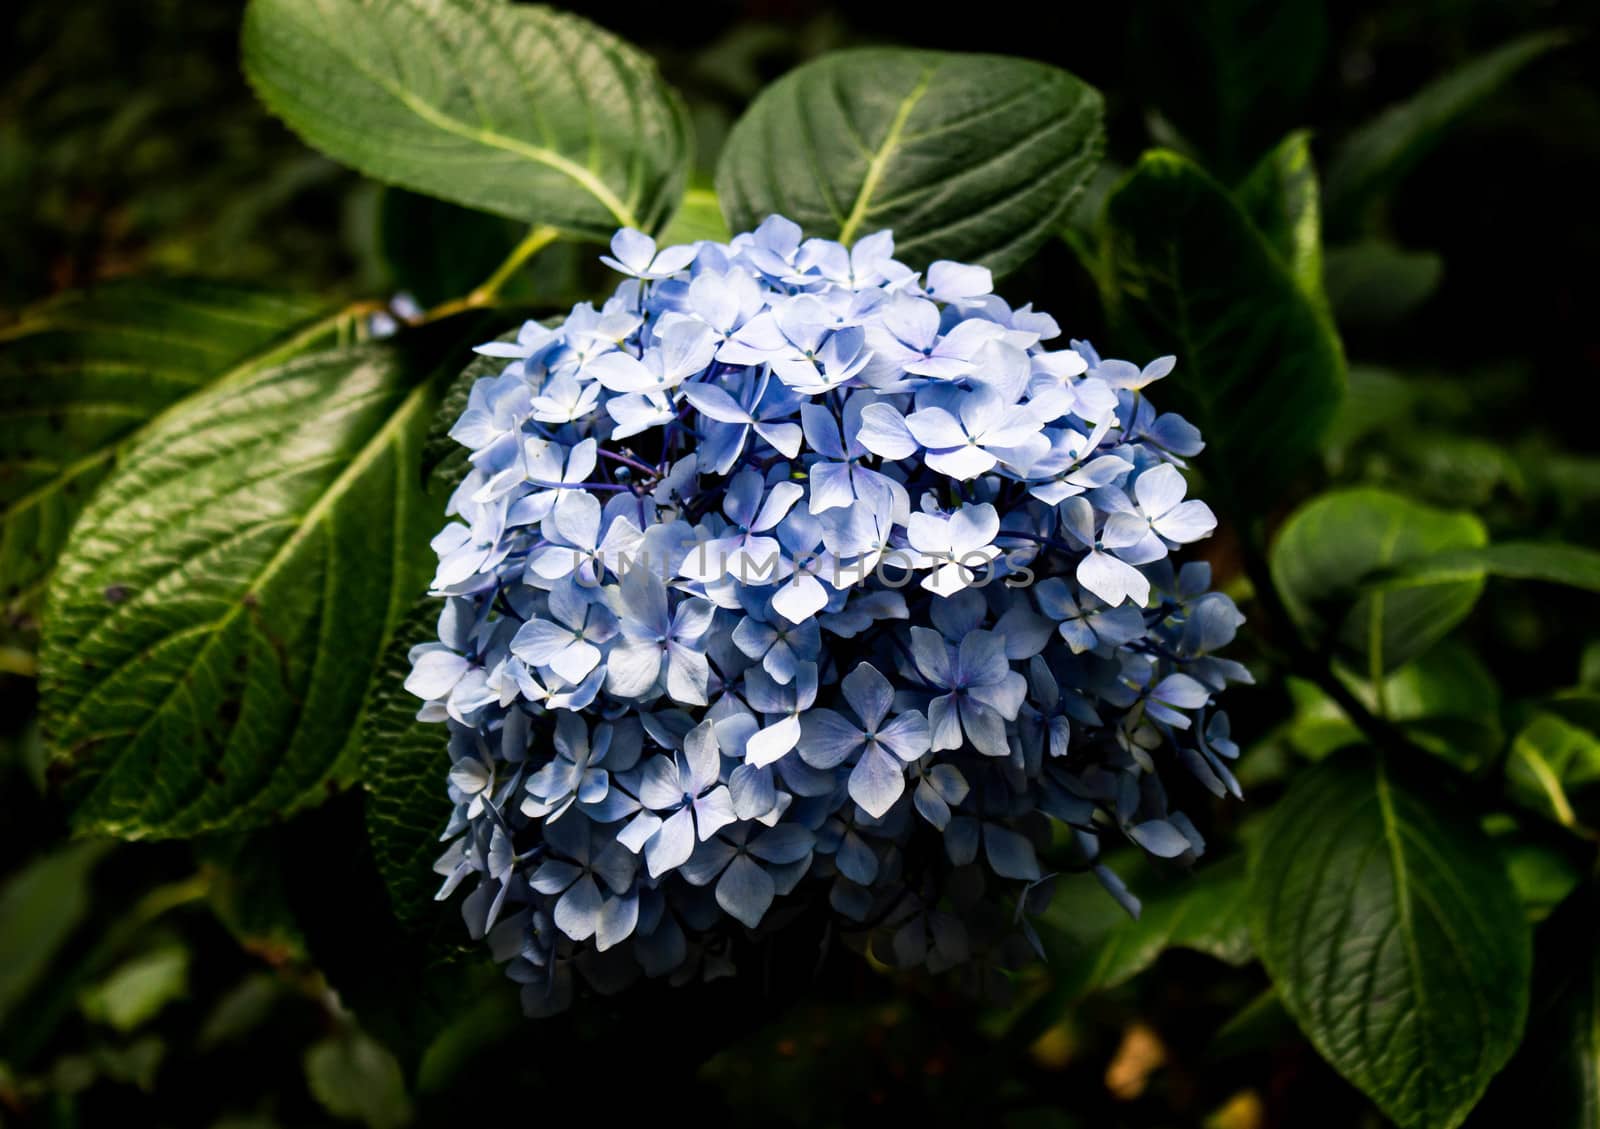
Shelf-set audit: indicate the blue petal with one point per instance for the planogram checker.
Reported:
(745, 891)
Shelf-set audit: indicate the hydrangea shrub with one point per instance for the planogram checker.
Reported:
(788, 574)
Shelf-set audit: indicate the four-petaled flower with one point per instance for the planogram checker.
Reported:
(828, 738)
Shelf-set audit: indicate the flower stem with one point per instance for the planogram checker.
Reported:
(626, 461)
(537, 239)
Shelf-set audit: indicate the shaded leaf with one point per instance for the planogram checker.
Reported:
(83, 374)
(1445, 700)
(967, 157)
(435, 250)
(519, 110)
(1377, 283)
(1542, 874)
(1554, 769)
(1260, 370)
(331, 875)
(1393, 935)
(407, 762)
(1326, 548)
(1260, 1025)
(1551, 561)
(1282, 199)
(356, 1078)
(1204, 912)
(1555, 1077)
(40, 905)
(1380, 153)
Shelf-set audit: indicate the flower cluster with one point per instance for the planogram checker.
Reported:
(790, 574)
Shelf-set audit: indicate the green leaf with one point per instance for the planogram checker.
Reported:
(1551, 561)
(1093, 945)
(968, 157)
(1579, 706)
(1445, 700)
(82, 375)
(242, 1011)
(1377, 401)
(1542, 874)
(1554, 769)
(245, 890)
(519, 110)
(1376, 156)
(355, 1077)
(1394, 936)
(1377, 283)
(1260, 1025)
(698, 217)
(1555, 1077)
(218, 614)
(407, 761)
(1205, 912)
(1260, 370)
(139, 989)
(1281, 198)
(436, 250)
(337, 894)
(40, 906)
(1328, 547)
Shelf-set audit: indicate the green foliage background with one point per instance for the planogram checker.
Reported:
(1366, 229)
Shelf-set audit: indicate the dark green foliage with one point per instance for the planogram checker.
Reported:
(217, 489)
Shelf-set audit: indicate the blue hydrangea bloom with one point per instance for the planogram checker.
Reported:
(790, 573)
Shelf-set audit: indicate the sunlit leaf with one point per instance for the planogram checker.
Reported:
(520, 110)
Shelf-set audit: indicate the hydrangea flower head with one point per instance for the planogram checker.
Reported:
(790, 573)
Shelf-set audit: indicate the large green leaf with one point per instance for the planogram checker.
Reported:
(1332, 543)
(969, 157)
(218, 613)
(406, 764)
(519, 110)
(82, 375)
(1376, 156)
(1394, 936)
(1260, 370)
(1281, 197)
(1555, 1077)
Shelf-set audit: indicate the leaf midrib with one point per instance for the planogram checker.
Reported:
(493, 139)
(884, 154)
(304, 526)
(1402, 893)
